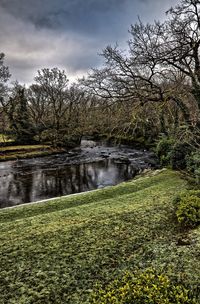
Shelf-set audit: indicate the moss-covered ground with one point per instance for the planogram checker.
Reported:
(55, 252)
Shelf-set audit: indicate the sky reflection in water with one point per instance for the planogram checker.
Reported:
(33, 184)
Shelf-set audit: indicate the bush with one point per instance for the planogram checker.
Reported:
(59, 138)
(172, 154)
(163, 149)
(148, 287)
(188, 209)
(193, 165)
(178, 155)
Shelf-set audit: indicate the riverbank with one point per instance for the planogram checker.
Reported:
(27, 151)
(55, 252)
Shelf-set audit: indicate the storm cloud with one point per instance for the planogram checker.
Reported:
(68, 34)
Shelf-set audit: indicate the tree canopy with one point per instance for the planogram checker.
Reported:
(161, 63)
(150, 88)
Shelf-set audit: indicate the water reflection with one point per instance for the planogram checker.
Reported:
(35, 183)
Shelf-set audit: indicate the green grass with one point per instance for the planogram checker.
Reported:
(55, 252)
(23, 148)
(26, 151)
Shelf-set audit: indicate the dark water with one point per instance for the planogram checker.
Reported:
(90, 167)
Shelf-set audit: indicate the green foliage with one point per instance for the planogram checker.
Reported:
(18, 114)
(178, 155)
(48, 136)
(172, 153)
(60, 138)
(188, 208)
(193, 165)
(147, 287)
(163, 150)
(70, 141)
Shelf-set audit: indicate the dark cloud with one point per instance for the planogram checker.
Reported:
(87, 17)
(83, 16)
(67, 33)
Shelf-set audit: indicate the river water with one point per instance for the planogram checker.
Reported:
(93, 165)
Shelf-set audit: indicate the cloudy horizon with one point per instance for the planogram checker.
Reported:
(68, 34)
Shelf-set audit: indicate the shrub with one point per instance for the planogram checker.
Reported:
(188, 208)
(59, 138)
(163, 149)
(173, 154)
(193, 165)
(178, 155)
(148, 287)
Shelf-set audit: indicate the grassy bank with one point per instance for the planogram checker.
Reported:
(27, 151)
(54, 252)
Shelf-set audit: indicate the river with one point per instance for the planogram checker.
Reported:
(93, 165)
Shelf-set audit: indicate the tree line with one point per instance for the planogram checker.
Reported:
(151, 88)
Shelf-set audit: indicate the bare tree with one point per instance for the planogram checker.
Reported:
(53, 84)
(39, 107)
(4, 77)
(161, 64)
(54, 106)
(4, 74)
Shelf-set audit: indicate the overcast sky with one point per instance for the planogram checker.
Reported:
(67, 34)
